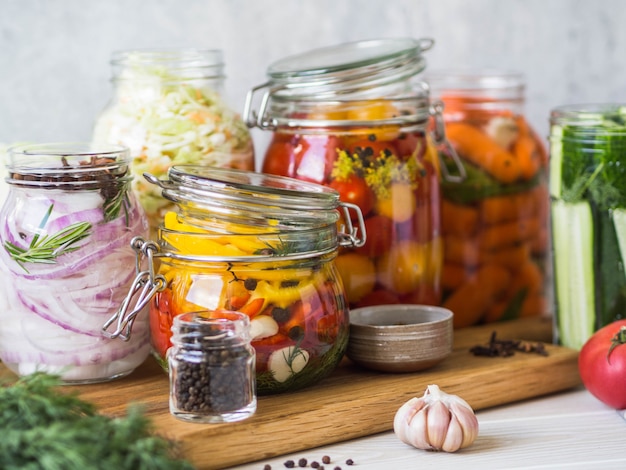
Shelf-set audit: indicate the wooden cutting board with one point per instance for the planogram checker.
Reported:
(351, 403)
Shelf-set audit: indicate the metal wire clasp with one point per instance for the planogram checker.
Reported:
(350, 235)
(443, 146)
(145, 285)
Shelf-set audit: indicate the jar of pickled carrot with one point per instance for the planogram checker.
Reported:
(352, 117)
(261, 245)
(495, 222)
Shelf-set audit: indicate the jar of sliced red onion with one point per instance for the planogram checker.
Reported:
(67, 263)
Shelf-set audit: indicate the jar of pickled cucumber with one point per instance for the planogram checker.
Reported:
(495, 222)
(352, 117)
(588, 208)
(257, 244)
(169, 108)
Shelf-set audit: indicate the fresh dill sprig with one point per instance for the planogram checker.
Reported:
(44, 428)
(45, 249)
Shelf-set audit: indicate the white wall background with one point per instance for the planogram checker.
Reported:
(54, 54)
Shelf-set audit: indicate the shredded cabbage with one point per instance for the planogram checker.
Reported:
(166, 121)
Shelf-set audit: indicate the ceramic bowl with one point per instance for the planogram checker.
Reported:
(400, 338)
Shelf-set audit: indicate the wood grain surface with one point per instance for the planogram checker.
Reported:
(352, 402)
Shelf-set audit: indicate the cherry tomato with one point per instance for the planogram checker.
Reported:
(315, 156)
(408, 144)
(355, 190)
(280, 158)
(400, 205)
(161, 319)
(602, 364)
(379, 232)
(410, 264)
(357, 273)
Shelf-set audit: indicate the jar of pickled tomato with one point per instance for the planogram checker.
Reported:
(495, 222)
(169, 108)
(66, 261)
(352, 118)
(262, 245)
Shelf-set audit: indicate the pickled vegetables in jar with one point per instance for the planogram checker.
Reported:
(494, 223)
(392, 176)
(352, 118)
(240, 241)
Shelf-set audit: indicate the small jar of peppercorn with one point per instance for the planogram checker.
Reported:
(212, 367)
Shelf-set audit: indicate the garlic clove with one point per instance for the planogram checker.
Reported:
(467, 421)
(418, 430)
(436, 421)
(503, 130)
(454, 437)
(406, 414)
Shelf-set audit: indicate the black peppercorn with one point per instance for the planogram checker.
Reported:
(290, 464)
(302, 462)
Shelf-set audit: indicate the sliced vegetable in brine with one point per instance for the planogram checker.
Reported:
(588, 189)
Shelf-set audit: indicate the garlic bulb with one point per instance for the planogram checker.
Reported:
(436, 421)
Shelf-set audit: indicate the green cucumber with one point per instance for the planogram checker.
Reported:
(572, 234)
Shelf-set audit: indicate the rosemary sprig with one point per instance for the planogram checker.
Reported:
(45, 249)
(113, 205)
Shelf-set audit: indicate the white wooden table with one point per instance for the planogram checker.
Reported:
(571, 430)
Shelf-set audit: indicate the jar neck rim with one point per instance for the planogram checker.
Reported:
(183, 63)
(590, 115)
(50, 164)
(483, 84)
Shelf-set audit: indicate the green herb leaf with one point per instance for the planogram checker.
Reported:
(45, 428)
(45, 249)
(114, 204)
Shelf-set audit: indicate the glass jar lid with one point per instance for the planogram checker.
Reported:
(225, 184)
(353, 64)
(354, 74)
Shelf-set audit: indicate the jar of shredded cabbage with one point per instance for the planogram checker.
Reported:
(66, 261)
(169, 108)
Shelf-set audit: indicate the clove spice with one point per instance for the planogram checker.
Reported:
(506, 347)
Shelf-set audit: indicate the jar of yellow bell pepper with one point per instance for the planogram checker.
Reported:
(261, 245)
(352, 117)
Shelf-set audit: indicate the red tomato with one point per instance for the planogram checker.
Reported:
(161, 319)
(406, 144)
(356, 191)
(602, 364)
(315, 156)
(379, 233)
(280, 158)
